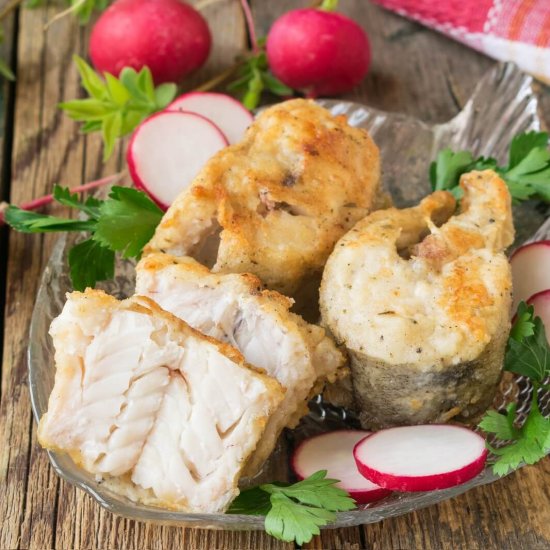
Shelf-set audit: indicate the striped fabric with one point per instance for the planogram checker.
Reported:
(507, 30)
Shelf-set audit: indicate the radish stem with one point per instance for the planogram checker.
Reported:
(199, 6)
(218, 79)
(250, 25)
(35, 204)
(329, 5)
(63, 13)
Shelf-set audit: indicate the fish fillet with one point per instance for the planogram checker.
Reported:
(164, 414)
(421, 299)
(233, 308)
(275, 203)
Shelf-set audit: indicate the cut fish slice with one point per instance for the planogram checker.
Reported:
(164, 414)
(421, 298)
(233, 308)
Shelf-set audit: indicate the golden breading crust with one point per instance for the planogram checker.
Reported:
(279, 200)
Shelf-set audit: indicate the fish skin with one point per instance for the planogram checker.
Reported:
(279, 199)
(421, 299)
(235, 309)
(142, 401)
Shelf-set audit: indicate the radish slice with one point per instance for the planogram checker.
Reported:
(541, 303)
(530, 270)
(421, 458)
(226, 112)
(168, 150)
(333, 451)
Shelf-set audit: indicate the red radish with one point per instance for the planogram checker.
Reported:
(168, 150)
(530, 270)
(318, 52)
(168, 36)
(421, 458)
(541, 303)
(333, 451)
(228, 114)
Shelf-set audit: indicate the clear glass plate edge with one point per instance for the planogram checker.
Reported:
(519, 105)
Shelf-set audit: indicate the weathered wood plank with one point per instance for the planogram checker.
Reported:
(414, 71)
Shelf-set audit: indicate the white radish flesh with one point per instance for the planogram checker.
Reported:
(168, 150)
(224, 111)
(421, 458)
(333, 451)
(541, 304)
(530, 270)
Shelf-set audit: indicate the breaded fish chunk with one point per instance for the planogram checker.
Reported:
(233, 308)
(160, 412)
(276, 203)
(421, 299)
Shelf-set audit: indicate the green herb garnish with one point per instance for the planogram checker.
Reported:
(124, 223)
(527, 354)
(116, 106)
(527, 173)
(295, 512)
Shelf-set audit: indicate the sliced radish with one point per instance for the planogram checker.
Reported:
(333, 451)
(530, 270)
(421, 458)
(168, 150)
(226, 112)
(541, 303)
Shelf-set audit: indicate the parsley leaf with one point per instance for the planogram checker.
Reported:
(290, 521)
(33, 222)
(124, 222)
(127, 221)
(527, 354)
(527, 173)
(295, 512)
(89, 262)
(116, 106)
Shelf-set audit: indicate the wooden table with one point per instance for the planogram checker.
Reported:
(415, 71)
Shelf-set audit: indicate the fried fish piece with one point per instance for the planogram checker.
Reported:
(421, 299)
(275, 204)
(160, 412)
(233, 308)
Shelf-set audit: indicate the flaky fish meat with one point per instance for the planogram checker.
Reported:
(235, 309)
(163, 414)
(275, 203)
(421, 299)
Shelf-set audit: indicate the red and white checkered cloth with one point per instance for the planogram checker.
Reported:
(507, 30)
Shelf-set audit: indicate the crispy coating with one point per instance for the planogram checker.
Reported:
(421, 299)
(279, 200)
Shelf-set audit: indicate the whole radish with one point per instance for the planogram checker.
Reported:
(168, 36)
(318, 51)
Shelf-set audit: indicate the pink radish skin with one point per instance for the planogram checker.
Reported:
(168, 36)
(228, 114)
(333, 451)
(168, 150)
(421, 458)
(530, 270)
(541, 303)
(318, 52)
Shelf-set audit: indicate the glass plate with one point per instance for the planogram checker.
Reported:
(502, 105)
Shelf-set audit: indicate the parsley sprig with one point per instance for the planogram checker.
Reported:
(295, 512)
(116, 106)
(527, 173)
(527, 354)
(124, 223)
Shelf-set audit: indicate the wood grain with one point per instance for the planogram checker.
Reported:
(414, 71)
